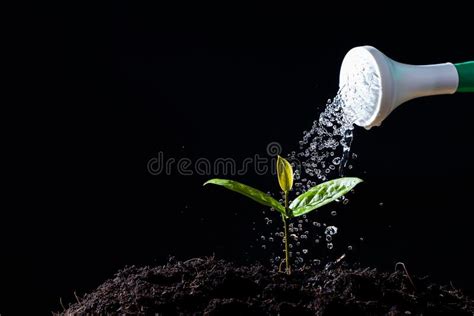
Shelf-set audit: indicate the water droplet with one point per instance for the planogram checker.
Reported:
(290, 246)
(333, 213)
(316, 262)
(316, 241)
(262, 237)
(361, 238)
(331, 230)
(316, 224)
(294, 236)
(330, 246)
(328, 238)
(270, 239)
(345, 201)
(304, 236)
(381, 204)
(305, 251)
(264, 247)
(349, 248)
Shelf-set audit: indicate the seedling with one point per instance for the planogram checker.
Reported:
(311, 200)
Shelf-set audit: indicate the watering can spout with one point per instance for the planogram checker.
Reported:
(373, 85)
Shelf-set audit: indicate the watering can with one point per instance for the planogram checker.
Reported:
(396, 83)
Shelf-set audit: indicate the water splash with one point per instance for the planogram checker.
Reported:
(324, 153)
(325, 148)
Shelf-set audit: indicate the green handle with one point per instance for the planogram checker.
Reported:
(466, 76)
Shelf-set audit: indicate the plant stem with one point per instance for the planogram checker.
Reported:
(285, 230)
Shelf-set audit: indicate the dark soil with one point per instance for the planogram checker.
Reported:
(216, 287)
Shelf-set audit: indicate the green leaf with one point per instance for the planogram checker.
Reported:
(322, 194)
(254, 194)
(285, 174)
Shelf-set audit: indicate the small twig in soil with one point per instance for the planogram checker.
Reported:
(61, 302)
(193, 259)
(451, 283)
(279, 267)
(406, 273)
(77, 298)
(340, 258)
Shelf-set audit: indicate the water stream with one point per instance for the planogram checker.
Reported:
(324, 153)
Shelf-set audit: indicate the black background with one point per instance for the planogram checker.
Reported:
(115, 88)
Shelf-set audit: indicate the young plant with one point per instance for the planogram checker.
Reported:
(311, 200)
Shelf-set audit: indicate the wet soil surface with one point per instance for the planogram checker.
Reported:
(216, 287)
